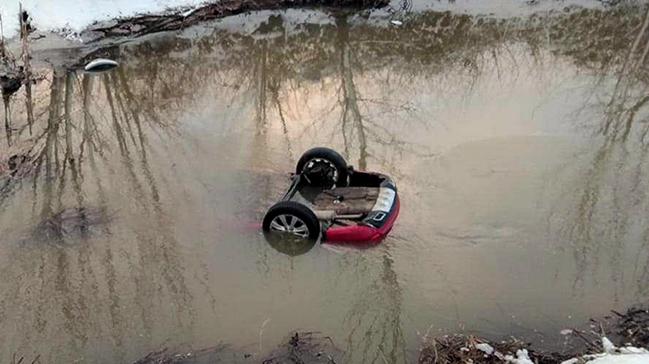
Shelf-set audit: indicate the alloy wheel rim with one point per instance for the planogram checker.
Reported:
(291, 224)
(331, 173)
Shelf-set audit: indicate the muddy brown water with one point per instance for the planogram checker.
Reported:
(518, 145)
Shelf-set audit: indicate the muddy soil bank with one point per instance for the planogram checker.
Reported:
(629, 328)
(103, 34)
(300, 347)
(147, 24)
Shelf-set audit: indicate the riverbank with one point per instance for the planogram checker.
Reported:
(125, 17)
(95, 37)
(593, 344)
(589, 345)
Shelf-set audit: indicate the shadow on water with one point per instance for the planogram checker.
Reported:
(122, 172)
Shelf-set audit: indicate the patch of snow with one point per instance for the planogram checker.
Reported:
(74, 36)
(614, 355)
(188, 12)
(621, 359)
(76, 15)
(485, 348)
(565, 332)
(500, 8)
(608, 345)
(521, 358)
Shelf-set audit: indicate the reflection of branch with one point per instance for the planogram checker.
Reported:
(620, 117)
(274, 88)
(111, 118)
(352, 120)
(350, 97)
(375, 330)
(261, 79)
(406, 106)
(610, 197)
(7, 112)
(628, 61)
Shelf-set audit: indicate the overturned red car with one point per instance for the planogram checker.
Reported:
(330, 200)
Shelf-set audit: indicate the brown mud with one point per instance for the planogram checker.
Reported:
(629, 328)
(300, 347)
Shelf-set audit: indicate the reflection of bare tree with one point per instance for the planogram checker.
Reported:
(99, 131)
(374, 321)
(610, 198)
(629, 93)
(606, 214)
(68, 148)
(351, 116)
(357, 127)
(8, 127)
(272, 72)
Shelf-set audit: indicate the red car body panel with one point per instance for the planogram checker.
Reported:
(365, 234)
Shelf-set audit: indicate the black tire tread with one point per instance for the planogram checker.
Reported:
(329, 154)
(296, 209)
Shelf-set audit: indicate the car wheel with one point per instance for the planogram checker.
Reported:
(293, 219)
(323, 167)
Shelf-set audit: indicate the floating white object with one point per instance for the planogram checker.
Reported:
(188, 12)
(485, 348)
(396, 22)
(613, 355)
(100, 65)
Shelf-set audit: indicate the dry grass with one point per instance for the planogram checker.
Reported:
(452, 349)
(630, 328)
(301, 347)
(165, 357)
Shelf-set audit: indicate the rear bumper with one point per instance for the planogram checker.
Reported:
(365, 231)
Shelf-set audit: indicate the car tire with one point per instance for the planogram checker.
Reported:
(293, 218)
(328, 155)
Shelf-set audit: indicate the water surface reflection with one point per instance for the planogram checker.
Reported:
(518, 146)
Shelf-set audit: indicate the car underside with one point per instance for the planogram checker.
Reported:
(329, 200)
